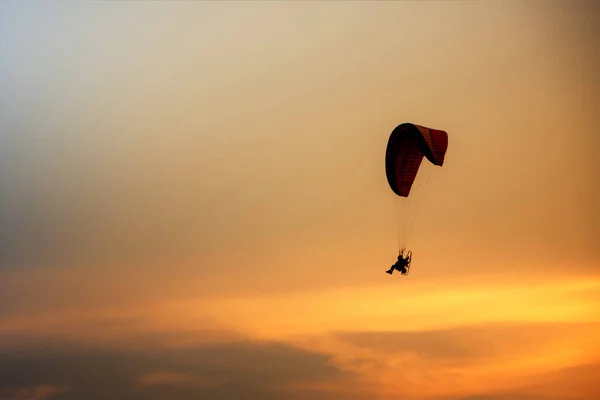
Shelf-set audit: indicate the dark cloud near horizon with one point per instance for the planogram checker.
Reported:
(248, 369)
(232, 370)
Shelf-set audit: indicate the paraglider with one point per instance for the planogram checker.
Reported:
(403, 263)
(407, 145)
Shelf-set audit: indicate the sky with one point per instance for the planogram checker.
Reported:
(193, 201)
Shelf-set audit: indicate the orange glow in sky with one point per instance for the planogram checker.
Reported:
(193, 201)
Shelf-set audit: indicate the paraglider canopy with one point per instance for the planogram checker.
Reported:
(407, 145)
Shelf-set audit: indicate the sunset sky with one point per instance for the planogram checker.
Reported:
(193, 201)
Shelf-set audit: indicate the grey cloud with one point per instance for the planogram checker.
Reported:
(232, 370)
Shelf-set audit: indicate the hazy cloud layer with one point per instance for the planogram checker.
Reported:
(573, 383)
(475, 345)
(495, 361)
